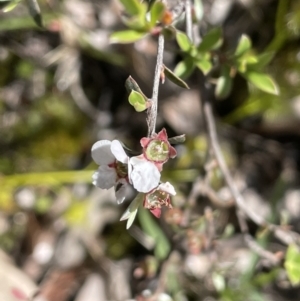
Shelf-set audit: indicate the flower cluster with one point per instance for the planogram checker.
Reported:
(142, 172)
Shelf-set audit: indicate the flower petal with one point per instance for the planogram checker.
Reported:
(172, 152)
(144, 141)
(144, 175)
(101, 152)
(156, 212)
(167, 187)
(118, 151)
(162, 135)
(105, 177)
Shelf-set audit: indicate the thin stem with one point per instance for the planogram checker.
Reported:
(188, 19)
(284, 235)
(211, 126)
(152, 111)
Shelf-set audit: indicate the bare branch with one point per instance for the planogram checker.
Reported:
(188, 19)
(152, 111)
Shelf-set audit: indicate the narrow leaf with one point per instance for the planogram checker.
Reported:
(149, 225)
(131, 84)
(177, 139)
(156, 12)
(175, 79)
(137, 100)
(126, 36)
(184, 68)
(262, 81)
(244, 45)
(134, 205)
(212, 40)
(35, 12)
(224, 84)
(292, 264)
(204, 65)
(183, 41)
(11, 5)
(132, 7)
(264, 59)
(4, 3)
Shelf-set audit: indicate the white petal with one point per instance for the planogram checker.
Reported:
(118, 151)
(167, 187)
(121, 193)
(105, 177)
(101, 152)
(144, 176)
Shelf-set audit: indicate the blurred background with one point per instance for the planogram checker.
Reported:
(62, 89)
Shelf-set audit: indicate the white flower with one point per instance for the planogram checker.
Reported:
(112, 172)
(116, 169)
(143, 174)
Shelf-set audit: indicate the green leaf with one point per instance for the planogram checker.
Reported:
(11, 5)
(132, 7)
(292, 264)
(4, 3)
(224, 84)
(183, 41)
(132, 210)
(35, 12)
(262, 81)
(131, 84)
(264, 59)
(204, 65)
(243, 45)
(149, 225)
(169, 32)
(156, 12)
(126, 36)
(184, 68)
(137, 100)
(212, 40)
(177, 139)
(175, 79)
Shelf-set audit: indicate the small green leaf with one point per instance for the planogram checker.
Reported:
(11, 5)
(184, 68)
(264, 59)
(177, 139)
(126, 36)
(224, 84)
(135, 23)
(149, 225)
(133, 7)
(292, 264)
(4, 3)
(35, 12)
(183, 41)
(169, 32)
(243, 45)
(251, 59)
(262, 81)
(175, 79)
(131, 84)
(204, 65)
(212, 40)
(137, 100)
(132, 210)
(156, 12)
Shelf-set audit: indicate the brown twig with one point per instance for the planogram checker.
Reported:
(152, 111)
(285, 236)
